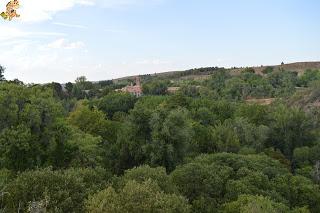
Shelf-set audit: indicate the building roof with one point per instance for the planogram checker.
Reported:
(173, 89)
(132, 89)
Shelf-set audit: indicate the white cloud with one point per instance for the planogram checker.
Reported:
(11, 33)
(124, 3)
(152, 62)
(30, 56)
(30, 62)
(114, 31)
(70, 25)
(43, 10)
(64, 44)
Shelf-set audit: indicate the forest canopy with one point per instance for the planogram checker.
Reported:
(245, 142)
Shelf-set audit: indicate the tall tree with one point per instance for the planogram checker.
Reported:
(155, 88)
(69, 87)
(290, 128)
(2, 69)
(116, 102)
(171, 136)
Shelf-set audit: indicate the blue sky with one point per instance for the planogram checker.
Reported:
(103, 39)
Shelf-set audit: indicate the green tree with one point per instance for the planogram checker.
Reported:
(225, 138)
(171, 136)
(59, 151)
(203, 185)
(301, 157)
(290, 128)
(236, 88)
(249, 70)
(218, 80)
(267, 70)
(204, 115)
(256, 163)
(257, 86)
(93, 121)
(85, 150)
(89, 121)
(136, 198)
(298, 191)
(2, 69)
(217, 110)
(128, 150)
(134, 135)
(316, 172)
(251, 182)
(19, 151)
(283, 82)
(203, 140)
(116, 102)
(60, 191)
(254, 204)
(315, 91)
(140, 116)
(57, 89)
(308, 76)
(105, 83)
(30, 125)
(211, 180)
(81, 86)
(254, 113)
(177, 100)
(249, 134)
(69, 87)
(190, 90)
(155, 88)
(158, 175)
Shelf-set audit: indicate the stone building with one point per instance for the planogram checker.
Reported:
(135, 90)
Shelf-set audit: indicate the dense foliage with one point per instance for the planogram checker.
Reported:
(226, 142)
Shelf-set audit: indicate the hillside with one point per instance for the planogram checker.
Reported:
(198, 74)
(298, 67)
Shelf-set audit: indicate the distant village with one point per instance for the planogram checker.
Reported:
(136, 89)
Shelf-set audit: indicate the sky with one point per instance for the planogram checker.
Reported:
(60, 40)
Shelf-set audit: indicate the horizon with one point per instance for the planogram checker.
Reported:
(106, 39)
(172, 71)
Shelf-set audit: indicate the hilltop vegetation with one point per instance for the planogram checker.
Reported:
(82, 147)
(205, 72)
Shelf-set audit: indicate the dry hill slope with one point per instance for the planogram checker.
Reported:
(299, 67)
